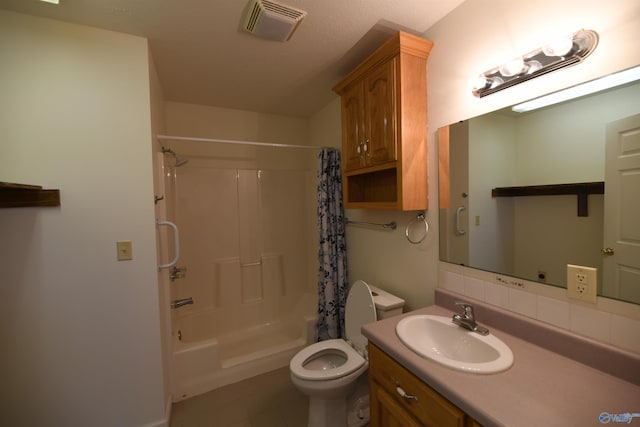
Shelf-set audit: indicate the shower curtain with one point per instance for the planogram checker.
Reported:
(332, 252)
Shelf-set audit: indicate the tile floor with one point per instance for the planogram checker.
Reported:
(268, 400)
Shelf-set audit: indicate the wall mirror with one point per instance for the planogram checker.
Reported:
(525, 194)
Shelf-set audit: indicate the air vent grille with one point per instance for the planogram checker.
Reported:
(283, 10)
(272, 20)
(252, 17)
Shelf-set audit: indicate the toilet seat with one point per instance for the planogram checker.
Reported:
(353, 361)
(360, 309)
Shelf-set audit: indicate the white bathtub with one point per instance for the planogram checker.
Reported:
(208, 363)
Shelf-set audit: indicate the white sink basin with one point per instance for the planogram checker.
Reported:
(439, 339)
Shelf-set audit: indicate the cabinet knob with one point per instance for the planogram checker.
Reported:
(366, 147)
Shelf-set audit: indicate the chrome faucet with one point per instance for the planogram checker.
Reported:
(178, 273)
(180, 302)
(467, 319)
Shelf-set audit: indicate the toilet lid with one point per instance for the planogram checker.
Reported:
(360, 310)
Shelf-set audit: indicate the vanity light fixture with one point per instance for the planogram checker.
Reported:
(593, 86)
(561, 53)
(51, 1)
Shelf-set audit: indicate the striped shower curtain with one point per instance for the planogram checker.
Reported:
(332, 253)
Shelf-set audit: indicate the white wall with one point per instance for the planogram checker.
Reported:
(491, 164)
(322, 125)
(569, 138)
(225, 123)
(80, 330)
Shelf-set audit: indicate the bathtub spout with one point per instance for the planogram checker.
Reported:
(180, 302)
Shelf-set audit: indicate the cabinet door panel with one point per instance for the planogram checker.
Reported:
(380, 113)
(352, 128)
(429, 407)
(388, 413)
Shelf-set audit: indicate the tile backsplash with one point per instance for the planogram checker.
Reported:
(611, 321)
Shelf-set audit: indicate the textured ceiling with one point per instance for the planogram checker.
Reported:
(203, 56)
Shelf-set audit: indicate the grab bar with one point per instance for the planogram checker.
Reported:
(458, 212)
(176, 244)
(251, 264)
(392, 225)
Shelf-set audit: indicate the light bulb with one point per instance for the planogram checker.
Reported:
(533, 66)
(495, 81)
(513, 67)
(558, 47)
(479, 82)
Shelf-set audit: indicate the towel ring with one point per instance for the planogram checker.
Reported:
(418, 218)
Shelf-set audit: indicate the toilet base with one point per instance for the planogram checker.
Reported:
(327, 412)
(334, 413)
(346, 411)
(358, 412)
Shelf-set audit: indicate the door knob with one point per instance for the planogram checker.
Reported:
(607, 251)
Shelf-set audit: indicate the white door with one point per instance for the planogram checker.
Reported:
(622, 210)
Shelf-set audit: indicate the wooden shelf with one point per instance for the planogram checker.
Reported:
(22, 195)
(582, 190)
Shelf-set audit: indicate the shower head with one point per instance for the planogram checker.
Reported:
(179, 160)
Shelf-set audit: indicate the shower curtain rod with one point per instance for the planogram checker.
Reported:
(231, 141)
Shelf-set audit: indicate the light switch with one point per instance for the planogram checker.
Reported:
(125, 251)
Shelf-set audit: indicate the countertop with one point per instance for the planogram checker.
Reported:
(542, 388)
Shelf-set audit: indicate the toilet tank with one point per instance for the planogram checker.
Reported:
(387, 305)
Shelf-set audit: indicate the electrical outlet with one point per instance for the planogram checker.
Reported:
(582, 283)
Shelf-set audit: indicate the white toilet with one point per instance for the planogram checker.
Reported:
(332, 372)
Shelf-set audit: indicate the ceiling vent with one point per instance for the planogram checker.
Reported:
(272, 20)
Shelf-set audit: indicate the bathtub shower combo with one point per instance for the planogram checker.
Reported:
(243, 291)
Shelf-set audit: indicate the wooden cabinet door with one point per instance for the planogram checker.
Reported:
(380, 113)
(425, 408)
(353, 128)
(385, 411)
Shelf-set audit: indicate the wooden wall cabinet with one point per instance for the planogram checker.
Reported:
(420, 407)
(384, 127)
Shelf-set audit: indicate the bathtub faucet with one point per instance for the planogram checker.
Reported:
(180, 302)
(178, 273)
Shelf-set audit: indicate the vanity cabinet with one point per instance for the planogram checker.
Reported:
(400, 399)
(384, 127)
